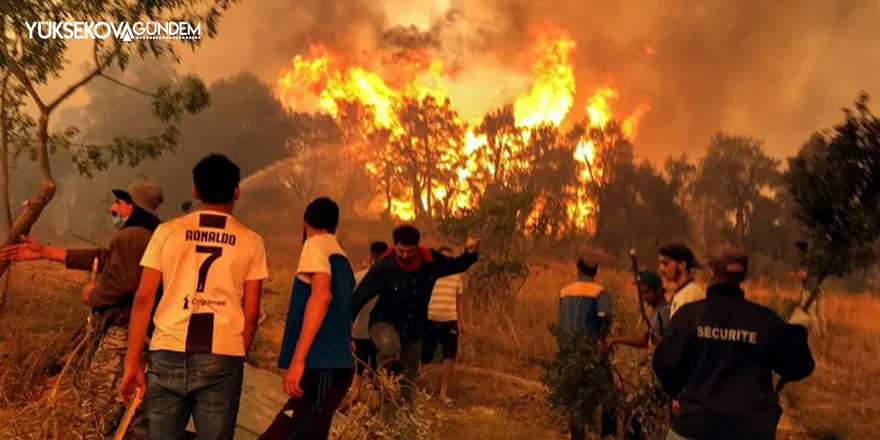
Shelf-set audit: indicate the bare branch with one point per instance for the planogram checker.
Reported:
(74, 87)
(26, 82)
(127, 86)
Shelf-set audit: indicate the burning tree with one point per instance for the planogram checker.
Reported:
(503, 144)
(429, 142)
(426, 163)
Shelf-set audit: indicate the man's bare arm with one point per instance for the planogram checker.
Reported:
(30, 249)
(140, 315)
(316, 309)
(53, 253)
(251, 305)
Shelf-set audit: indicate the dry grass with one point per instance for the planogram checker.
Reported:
(840, 400)
(41, 322)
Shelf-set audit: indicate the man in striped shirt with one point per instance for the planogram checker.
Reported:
(445, 324)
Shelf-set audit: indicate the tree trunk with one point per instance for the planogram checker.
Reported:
(388, 191)
(34, 206)
(814, 292)
(4, 157)
(416, 194)
(4, 174)
(429, 177)
(740, 225)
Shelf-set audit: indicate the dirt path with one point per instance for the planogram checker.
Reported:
(491, 406)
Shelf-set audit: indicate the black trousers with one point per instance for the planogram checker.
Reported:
(309, 417)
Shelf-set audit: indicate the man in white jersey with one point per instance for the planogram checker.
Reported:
(676, 263)
(445, 324)
(212, 268)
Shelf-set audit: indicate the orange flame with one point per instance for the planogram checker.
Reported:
(552, 94)
(322, 79)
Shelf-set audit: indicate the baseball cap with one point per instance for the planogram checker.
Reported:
(729, 264)
(650, 279)
(145, 194)
(680, 252)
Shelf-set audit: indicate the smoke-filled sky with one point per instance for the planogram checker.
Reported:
(776, 70)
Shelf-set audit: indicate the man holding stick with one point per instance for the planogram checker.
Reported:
(111, 293)
(719, 356)
(651, 288)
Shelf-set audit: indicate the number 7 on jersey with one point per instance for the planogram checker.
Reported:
(214, 252)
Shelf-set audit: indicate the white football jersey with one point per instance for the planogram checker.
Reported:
(205, 257)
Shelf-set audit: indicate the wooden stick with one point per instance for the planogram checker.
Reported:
(94, 275)
(129, 413)
(90, 328)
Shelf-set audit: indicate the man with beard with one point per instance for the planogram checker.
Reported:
(676, 263)
(403, 280)
(111, 294)
(720, 354)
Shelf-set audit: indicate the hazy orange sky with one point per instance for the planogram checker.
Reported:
(774, 70)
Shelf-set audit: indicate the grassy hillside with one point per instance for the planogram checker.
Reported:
(507, 335)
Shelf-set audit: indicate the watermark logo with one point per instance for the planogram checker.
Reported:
(122, 31)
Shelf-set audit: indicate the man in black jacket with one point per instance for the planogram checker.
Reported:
(719, 355)
(404, 279)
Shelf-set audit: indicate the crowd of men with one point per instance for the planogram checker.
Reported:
(714, 352)
(189, 289)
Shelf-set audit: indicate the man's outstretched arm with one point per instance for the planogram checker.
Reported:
(30, 249)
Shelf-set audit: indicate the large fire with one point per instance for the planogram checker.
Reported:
(403, 121)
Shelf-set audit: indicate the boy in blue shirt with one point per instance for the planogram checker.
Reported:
(316, 349)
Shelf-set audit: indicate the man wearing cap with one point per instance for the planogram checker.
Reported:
(585, 304)
(719, 355)
(651, 288)
(676, 263)
(110, 295)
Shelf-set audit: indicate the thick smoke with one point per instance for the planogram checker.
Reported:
(774, 70)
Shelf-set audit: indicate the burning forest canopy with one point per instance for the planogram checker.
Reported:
(400, 124)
